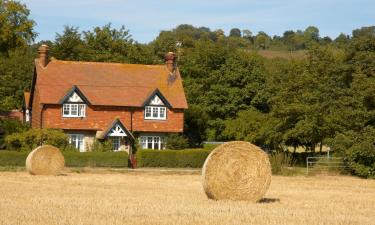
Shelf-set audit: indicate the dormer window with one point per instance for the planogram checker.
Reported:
(155, 112)
(156, 107)
(74, 110)
(74, 104)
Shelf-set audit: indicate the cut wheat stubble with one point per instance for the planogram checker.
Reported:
(236, 171)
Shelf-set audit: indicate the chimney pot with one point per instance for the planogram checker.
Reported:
(43, 51)
(170, 61)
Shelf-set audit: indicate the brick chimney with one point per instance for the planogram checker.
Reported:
(170, 61)
(43, 55)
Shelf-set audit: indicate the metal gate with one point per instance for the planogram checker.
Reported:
(324, 163)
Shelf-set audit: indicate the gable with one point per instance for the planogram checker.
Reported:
(117, 129)
(74, 95)
(157, 99)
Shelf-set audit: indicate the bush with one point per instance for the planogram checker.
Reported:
(102, 146)
(176, 142)
(30, 139)
(358, 150)
(10, 126)
(72, 159)
(279, 161)
(96, 159)
(192, 158)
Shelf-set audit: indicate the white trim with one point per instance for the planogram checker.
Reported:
(75, 98)
(79, 110)
(117, 131)
(156, 101)
(116, 143)
(152, 142)
(155, 113)
(78, 141)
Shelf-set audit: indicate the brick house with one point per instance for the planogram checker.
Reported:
(99, 101)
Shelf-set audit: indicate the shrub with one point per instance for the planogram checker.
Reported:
(72, 159)
(176, 142)
(279, 161)
(10, 126)
(96, 159)
(30, 139)
(102, 146)
(358, 150)
(193, 158)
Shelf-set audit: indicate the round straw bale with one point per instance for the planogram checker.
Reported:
(236, 170)
(45, 160)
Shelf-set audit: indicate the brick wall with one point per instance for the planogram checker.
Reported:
(100, 117)
(35, 113)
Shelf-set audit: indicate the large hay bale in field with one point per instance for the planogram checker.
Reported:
(45, 160)
(237, 171)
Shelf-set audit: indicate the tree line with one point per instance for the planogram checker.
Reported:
(323, 96)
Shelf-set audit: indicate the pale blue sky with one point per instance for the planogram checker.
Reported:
(145, 19)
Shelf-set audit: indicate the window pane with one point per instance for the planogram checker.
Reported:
(162, 112)
(155, 112)
(143, 142)
(149, 142)
(73, 109)
(66, 108)
(148, 112)
(156, 143)
(81, 110)
(116, 143)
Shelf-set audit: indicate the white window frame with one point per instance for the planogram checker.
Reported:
(156, 142)
(155, 113)
(77, 141)
(68, 111)
(116, 143)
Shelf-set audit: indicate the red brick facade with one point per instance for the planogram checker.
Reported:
(100, 117)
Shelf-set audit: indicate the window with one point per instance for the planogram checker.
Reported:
(116, 143)
(76, 140)
(152, 142)
(74, 110)
(155, 112)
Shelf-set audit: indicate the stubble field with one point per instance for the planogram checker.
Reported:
(178, 198)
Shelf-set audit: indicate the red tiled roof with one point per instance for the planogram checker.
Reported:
(112, 84)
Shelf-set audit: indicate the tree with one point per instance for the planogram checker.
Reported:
(69, 45)
(235, 32)
(262, 40)
(16, 29)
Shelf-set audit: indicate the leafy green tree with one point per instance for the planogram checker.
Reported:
(235, 32)
(16, 28)
(69, 45)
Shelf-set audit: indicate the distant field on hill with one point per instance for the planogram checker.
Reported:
(159, 198)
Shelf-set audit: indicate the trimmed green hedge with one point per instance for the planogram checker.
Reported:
(72, 159)
(193, 158)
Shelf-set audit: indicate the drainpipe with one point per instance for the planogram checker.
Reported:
(131, 120)
(41, 116)
(41, 122)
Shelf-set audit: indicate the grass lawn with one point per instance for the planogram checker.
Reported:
(154, 197)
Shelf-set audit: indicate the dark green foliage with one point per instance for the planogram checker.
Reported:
(72, 159)
(176, 142)
(193, 158)
(358, 150)
(101, 146)
(96, 159)
(10, 126)
(30, 139)
(13, 158)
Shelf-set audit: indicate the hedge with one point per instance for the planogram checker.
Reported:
(72, 159)
(192, 158)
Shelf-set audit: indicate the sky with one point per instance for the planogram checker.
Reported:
(145, 19)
